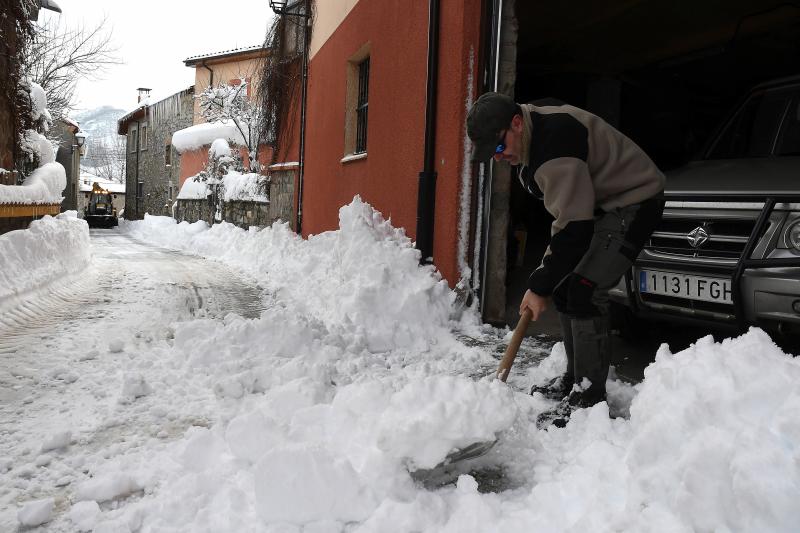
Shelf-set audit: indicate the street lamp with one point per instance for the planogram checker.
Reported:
(80, 138)
(287, 7)
(277, 6)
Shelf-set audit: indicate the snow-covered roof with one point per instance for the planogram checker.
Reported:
(70, 122)
(141, 107)
(199, 135)
(192, 60)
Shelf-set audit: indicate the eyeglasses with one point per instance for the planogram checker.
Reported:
(501, 144)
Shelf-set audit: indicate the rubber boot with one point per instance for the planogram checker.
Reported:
(566, 333)
(592, 358)
(560, 386)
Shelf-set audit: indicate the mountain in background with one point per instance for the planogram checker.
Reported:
(105, 150)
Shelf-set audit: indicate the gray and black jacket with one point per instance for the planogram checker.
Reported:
(579, 165)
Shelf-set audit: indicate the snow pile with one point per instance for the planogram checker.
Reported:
(50, 249)
(200, 135)
(428, 418)
(38, 102)
(219, 148)
(248, 187)
(36, 512)
(34, 143)
(194, 189)
(322, 436)
(364, 278)
(43, 186)
(353, 377)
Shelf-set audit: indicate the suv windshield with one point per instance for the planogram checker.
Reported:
(752, 131)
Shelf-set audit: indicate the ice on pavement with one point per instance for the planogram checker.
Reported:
(310, 417)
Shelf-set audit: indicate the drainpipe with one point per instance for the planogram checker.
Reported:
(304, 97)
(426, 198)
(210, 75)
(138, 144)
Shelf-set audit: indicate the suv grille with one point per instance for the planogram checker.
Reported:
(723, 238)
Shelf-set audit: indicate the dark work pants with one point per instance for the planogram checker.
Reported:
(582, 297)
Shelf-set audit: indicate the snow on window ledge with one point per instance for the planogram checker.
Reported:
(353, 157)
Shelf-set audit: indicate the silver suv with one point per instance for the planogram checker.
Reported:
(727, 252)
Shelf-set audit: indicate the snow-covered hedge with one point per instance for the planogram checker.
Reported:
(51, 248)
(43, 186)
(237, 187)
(200, 135)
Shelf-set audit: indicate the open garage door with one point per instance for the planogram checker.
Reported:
(664, 73)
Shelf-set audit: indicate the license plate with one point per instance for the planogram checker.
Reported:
(685, 286)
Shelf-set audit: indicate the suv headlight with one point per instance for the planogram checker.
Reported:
(791, 236)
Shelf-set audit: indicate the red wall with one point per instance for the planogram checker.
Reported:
(397, 31)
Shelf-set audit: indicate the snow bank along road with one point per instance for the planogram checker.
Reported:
(74, 357)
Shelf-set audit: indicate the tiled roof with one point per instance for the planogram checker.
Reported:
(233, 51)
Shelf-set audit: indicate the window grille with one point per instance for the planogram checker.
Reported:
(361, 107)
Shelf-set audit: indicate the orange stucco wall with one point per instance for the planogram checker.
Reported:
(225, 70)
(387, 178)
(193, 161)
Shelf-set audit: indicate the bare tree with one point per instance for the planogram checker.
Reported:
(106, 157)
(59, 56)
(231, 103)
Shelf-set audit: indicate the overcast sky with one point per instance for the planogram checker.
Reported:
(155, 36)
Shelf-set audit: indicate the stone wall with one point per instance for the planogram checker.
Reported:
(149, 165)
(246, 213)
(240, 213)
(281, 197)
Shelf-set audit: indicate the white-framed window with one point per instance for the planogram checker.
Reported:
(134, 138)
(168, 156)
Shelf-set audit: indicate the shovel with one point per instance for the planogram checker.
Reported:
(479, 448)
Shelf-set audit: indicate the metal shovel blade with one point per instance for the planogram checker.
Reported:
(448, 470)
(480, 448)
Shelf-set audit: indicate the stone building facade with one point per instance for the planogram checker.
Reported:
(152, 166)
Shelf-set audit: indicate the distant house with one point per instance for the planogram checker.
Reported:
(69, 155)
(152, 168)
(87, 180)
(228, 67)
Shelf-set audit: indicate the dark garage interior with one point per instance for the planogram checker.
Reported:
(665, 73)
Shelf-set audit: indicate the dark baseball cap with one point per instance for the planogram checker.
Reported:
(490, 114)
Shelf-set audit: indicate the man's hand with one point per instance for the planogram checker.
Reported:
(537, 304)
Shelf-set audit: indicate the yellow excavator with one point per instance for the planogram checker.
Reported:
(100, 211)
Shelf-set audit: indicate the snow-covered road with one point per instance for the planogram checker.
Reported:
(75, 355)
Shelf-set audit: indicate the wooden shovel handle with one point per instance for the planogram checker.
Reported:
(511, 352)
